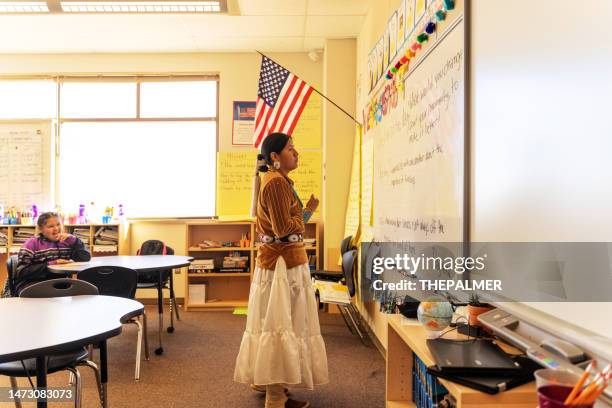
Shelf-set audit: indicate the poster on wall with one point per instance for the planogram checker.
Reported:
(371, 69)
(386, 46)
(419, 11)
(401, 23)
(243, 123)
(409, 17)
(393, 36)
(379, 58)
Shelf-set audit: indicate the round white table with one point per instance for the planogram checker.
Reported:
(38, 327)
(141, 263)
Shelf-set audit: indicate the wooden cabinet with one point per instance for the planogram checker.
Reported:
(227, 288)
(408, 336)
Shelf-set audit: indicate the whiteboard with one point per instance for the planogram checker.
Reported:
(25, 163)
(419, 150)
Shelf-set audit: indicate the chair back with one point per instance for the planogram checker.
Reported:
(154, 247)
(348, 270)
(11, 268)
(111, 280)
(58, 288)
(345, 246)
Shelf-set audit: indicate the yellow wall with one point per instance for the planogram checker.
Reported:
(338, 135)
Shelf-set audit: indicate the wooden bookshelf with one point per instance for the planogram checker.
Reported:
(408, 336)
(227, 290)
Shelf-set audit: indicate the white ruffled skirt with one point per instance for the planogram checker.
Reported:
(282, 343)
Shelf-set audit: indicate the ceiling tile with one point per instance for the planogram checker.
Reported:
(333, 26)
(244, 26)
(250, 44)
(338, 7)
(272, 7)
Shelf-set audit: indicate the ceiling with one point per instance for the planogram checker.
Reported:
(265, 25)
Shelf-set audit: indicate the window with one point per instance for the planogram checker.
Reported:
(155, 169)
(29, 99)
(98, 100)
(150, 146)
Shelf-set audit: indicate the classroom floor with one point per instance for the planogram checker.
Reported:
(197, 366)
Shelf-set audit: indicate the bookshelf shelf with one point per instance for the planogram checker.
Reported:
(227, 290)
(223, 274)
(222, 249)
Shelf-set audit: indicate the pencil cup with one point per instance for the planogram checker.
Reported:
(548, 376)
(553, 396)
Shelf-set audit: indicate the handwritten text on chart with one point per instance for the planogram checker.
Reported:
(433, 226)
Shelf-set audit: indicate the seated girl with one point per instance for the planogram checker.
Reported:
(50, 247)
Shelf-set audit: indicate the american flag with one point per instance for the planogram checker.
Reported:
(280, 100)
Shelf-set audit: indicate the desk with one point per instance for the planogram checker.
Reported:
(142, 263)
(406, 336)
(39, 327)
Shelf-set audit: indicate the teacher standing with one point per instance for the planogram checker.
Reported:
(282, 344)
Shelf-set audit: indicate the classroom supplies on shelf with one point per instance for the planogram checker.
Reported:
(427, 391)
(491, 384)
(478, 356)
(201, 265)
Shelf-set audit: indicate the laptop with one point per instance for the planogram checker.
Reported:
(472, 357)
(492, 384)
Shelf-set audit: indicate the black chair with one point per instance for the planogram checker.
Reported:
(349, 312)
(11, 269)
(121, 282)
(345, 246)
(151, 280)
(58, 362)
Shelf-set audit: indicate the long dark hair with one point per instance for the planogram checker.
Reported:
(273, 143)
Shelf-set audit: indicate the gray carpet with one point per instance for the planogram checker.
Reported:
(197, 366)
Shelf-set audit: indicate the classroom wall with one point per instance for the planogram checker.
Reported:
(338, 136)
(373, 27)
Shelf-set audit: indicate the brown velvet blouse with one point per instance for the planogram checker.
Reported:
(279, 213)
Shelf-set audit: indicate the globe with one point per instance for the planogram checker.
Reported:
(435, 315)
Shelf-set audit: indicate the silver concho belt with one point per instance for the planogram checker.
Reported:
(267, 239)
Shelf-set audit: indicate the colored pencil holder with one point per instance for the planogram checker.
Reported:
(553, 396)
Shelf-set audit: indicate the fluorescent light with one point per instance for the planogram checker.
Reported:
(23, 7)
(141, 6)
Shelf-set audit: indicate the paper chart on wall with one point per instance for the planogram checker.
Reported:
(351, 224)
(307, 177)
(367, 182)
(401, 23)
(21, 168)
(235, 172)
(307, 132)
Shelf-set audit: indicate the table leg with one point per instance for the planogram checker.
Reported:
(104, 372)
(172, 305)
(160, 309)
(41, 379)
